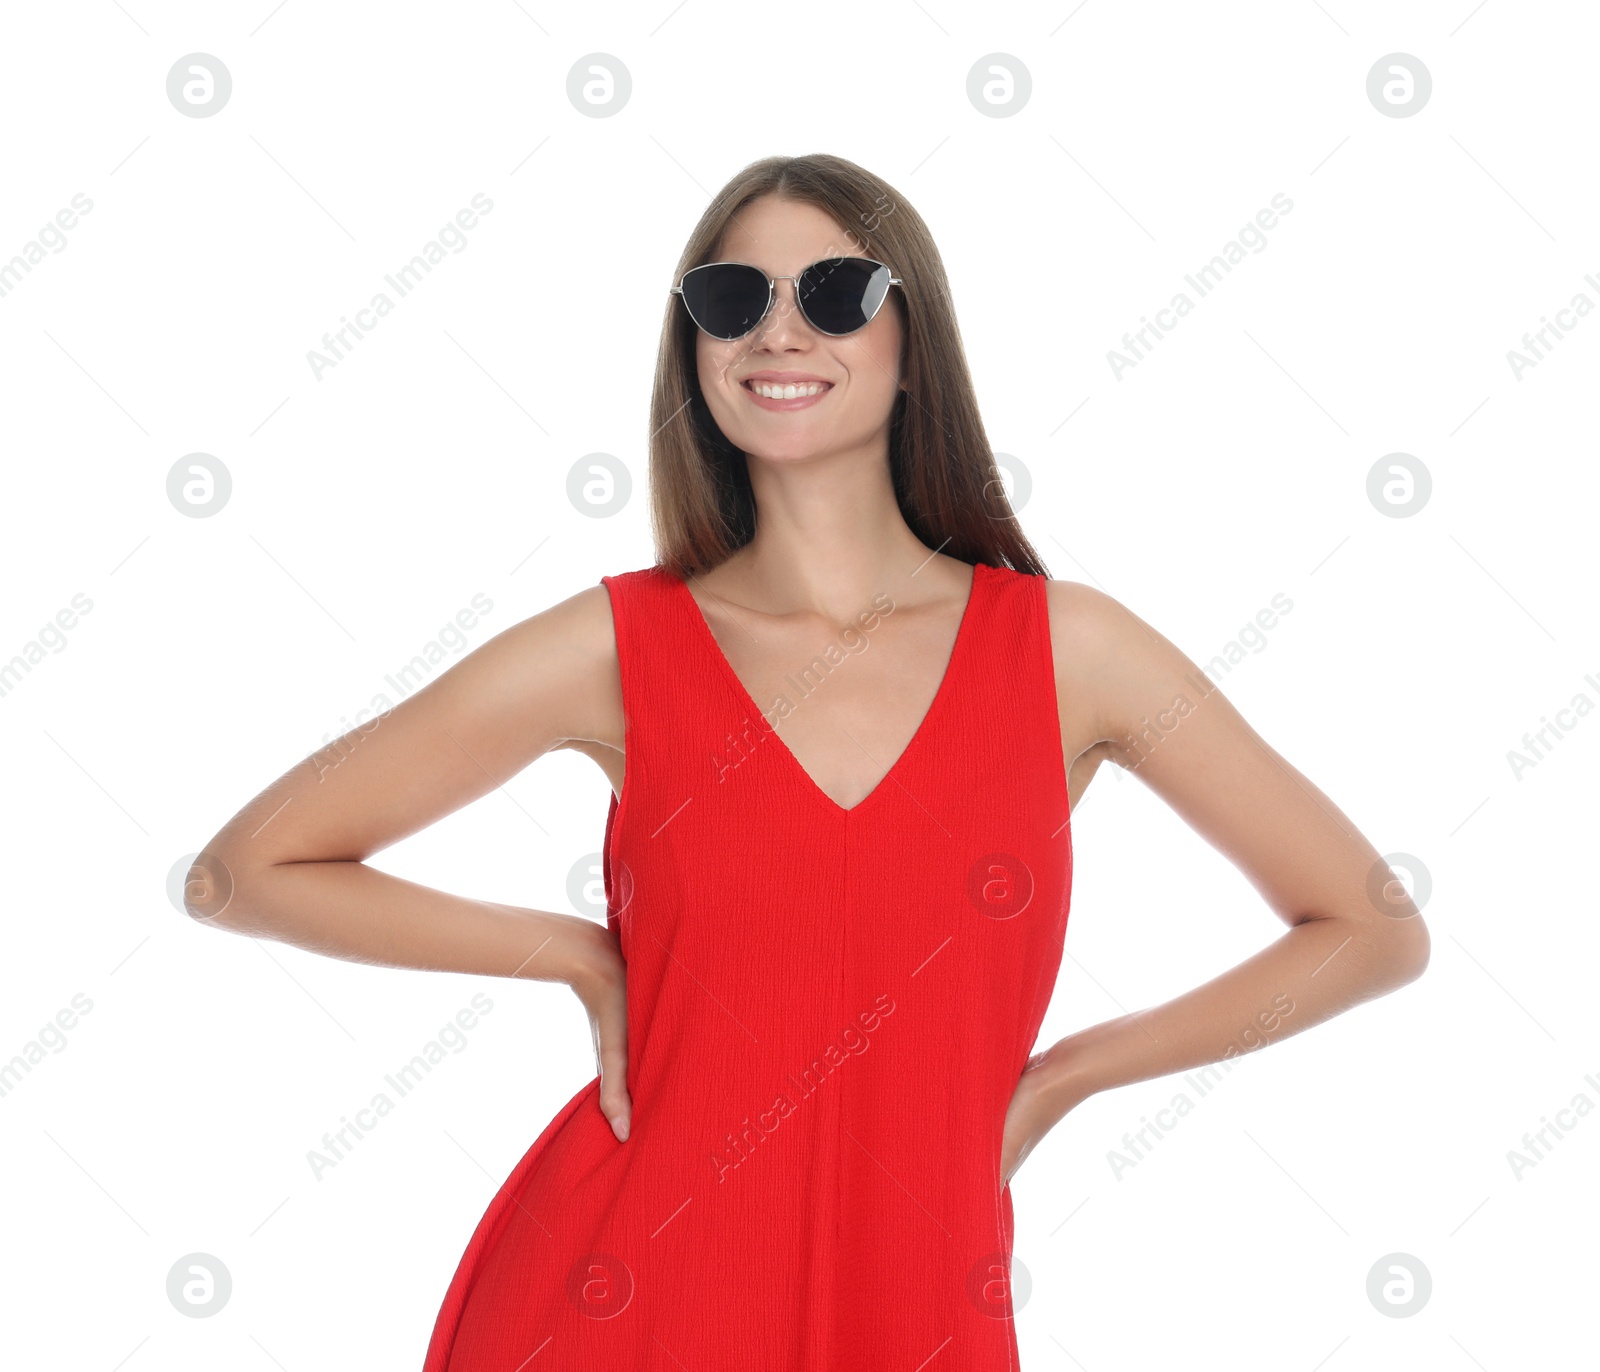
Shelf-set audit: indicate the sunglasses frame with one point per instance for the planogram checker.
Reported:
(772, 294)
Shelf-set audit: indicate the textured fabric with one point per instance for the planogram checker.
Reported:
(828, 1012)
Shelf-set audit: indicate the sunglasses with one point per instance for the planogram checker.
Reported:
(837, 295)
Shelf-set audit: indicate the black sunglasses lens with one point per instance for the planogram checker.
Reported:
(726, 299)
(842, 294)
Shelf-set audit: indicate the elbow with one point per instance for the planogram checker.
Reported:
(1409, 951)
(210, 886)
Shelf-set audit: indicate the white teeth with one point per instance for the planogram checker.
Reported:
(789, 391)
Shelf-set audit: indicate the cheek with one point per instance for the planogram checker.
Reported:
(885, 347)
(878, 364)
(714, 362)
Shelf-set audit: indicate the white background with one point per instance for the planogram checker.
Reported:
(369, 506)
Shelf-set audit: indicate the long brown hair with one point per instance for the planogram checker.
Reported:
(945, 480)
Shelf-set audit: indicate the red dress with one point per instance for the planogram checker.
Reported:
(828, 1012)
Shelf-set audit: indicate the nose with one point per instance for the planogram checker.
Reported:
(784, 322)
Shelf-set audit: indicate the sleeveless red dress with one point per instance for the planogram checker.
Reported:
(828, 1012)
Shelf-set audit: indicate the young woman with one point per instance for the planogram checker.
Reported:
(845, 716)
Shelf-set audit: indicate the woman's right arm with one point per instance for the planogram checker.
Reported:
(291, 864)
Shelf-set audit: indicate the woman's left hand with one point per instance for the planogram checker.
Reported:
(1027, 1118)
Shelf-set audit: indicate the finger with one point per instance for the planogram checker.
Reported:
(615, 1103)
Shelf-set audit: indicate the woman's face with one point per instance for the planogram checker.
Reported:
(862, 370)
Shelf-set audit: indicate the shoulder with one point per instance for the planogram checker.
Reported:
(585, 626)
(1091, 619)
(559, 667)
(585, 623)
(1108, 660)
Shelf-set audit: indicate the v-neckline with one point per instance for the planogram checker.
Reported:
(805, 779)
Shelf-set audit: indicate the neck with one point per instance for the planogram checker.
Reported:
(829, 537)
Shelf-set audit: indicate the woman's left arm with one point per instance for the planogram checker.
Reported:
(1354, 934)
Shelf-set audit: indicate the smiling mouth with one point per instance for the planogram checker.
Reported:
(786, 390)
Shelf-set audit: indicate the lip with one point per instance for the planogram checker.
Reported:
(784, 378)
(800, 402)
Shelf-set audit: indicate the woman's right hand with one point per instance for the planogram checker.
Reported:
(602, 985)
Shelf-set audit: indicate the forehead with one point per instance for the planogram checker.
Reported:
(781, 236)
